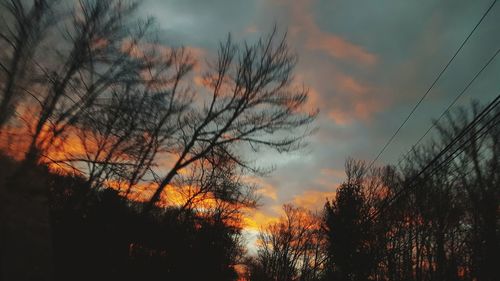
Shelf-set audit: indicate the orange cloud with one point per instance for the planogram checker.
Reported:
(364, 110)
(262, 187)
(350, 85)
(337, 173)
(341, 97)
(337, 47)
(354, 100)
(268, 191)
(16, 138)
(251, 29)
(200, 81)
(256, 219)
(313, 199)
(316, 39)
(329, 179)
(172, 196)
(340, 117)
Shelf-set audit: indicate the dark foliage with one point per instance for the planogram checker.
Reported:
(398, 223)
(350, 235)
(108, 239)
(102, 236)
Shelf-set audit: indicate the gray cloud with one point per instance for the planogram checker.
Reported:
(362, 102)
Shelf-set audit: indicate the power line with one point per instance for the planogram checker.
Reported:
(451, 104)
(483, 114)
(465, 130)
(482, 131)
(433, 83)
(447, 160)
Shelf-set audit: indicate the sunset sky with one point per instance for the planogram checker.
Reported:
(366, 64)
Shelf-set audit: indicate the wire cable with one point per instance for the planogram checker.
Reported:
(450, 105)
(447, 161)
(433, 84)
(482, 115)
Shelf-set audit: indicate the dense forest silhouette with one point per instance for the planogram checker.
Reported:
(121, 161)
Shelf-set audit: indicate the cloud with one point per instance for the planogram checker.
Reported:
(263, 187)
(354, 100)
(251, 29)
(304, 25)
(337, 47)
(340, 117)
(202, 23)
(362, 67)
(349, 84)
(268, 191)
(359, 109)
(340, 97)
(330, 172)
(313, 199)
(257, 219)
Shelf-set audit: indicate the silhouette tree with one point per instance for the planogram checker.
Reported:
(434, 227)
(476, 174)
(93, 57)
(123, 134)
(108, 238)
(95, 95)
(63, 61)
(349, 231)
(252, 102)
(397, 223)
(291, 249)
(24, 26)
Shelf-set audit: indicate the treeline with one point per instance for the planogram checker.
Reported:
(145, 154)
(396, 223)
(104, 236)
(122, 161)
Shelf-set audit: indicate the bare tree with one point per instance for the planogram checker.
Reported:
(292, 249)
(24, 26)
(91, 56)
(252, 102)
(95, 53)
(476, 174)
(123, 132)
(92, 75)
(435, 225)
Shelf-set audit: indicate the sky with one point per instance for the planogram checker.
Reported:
(366, 64)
